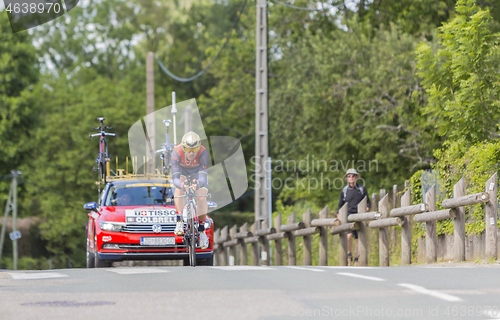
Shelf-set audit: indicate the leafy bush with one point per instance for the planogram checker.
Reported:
(476, 163)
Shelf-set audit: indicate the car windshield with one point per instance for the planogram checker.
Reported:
(131, 195)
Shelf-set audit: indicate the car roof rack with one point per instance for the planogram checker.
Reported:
(124, 174)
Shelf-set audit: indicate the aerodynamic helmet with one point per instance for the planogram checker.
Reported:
(191, 142)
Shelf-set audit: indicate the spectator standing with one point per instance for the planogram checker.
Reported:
(353, 194)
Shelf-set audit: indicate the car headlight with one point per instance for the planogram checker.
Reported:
(110, 246)
(111, 226)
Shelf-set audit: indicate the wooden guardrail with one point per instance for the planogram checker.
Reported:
(227, 241)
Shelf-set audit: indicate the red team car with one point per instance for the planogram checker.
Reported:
(135, 220)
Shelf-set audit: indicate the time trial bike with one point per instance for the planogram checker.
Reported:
(102, 156)
(191, 233)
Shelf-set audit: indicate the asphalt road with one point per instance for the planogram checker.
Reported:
(252, 293)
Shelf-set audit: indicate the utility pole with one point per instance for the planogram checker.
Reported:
(11, 205)
(188, 119)
(15, 173)
(174, 114)
(8, 207)
(262, 199)
(150, 108)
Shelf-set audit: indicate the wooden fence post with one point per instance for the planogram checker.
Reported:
(374, 207)
(224, 258)
(459, 224)
(394, 205)
(382, 194)
(430, 227)
(342, 215)
(278, 248)
(243, 245)
(491, 218)
(233, 250)
(292, 258)
(264, 255)
(383, 233)
(363, 236)
(306, 218)
(255, 247)
(323, 239)
(406, 230)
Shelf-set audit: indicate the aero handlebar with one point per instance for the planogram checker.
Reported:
(103, 133)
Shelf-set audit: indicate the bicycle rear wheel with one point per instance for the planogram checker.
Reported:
(192, 236)
(102, 171)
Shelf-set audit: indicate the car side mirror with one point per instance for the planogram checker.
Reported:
(90, 206)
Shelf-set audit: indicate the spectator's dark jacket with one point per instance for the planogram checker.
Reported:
(353, 197)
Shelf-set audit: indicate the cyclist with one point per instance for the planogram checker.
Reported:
(190, 158)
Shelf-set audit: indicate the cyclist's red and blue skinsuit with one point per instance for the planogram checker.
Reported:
(197, 168)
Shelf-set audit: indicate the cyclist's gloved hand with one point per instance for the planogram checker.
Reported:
(196, 185)
(184, 186)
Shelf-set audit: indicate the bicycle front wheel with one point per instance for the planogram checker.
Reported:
(192, 236)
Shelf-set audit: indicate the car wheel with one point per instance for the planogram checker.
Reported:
(90, 258)
(99, 263)
(207, 261)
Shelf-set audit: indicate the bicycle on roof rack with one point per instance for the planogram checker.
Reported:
(102, 156)
(166, 151)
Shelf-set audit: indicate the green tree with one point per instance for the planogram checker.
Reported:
(460, 76)
(60, 180)
(340, 90)
(113, 38)
(346, 96)
(18, 73)
(416, 17)
(94, 65)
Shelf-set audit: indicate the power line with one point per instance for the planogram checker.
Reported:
(173, 76)
(302, 8)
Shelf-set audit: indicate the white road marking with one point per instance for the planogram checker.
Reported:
(137, 270)
(462, 291)
(36, 275)
(309, 269)
(354, 275)
(350, 268)
(242, 268)
(436, 294)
